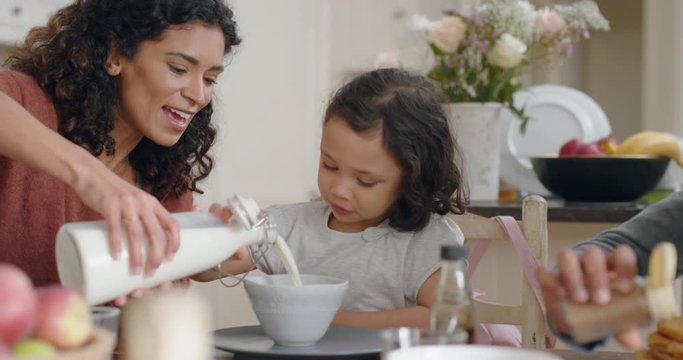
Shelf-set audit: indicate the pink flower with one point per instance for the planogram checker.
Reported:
(549, 22)
(447, 33)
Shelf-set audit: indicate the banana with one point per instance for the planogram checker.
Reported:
(651, 143)
(662, 269)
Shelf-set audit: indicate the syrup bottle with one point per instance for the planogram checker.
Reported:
(453, 309)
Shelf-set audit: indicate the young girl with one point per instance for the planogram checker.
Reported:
(387, 177)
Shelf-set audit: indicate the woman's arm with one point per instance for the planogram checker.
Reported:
(656, 223)
(27, 140)
(414, 316)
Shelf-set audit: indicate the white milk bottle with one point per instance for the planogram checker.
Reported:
(84, 261)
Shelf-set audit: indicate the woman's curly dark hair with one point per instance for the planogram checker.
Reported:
(416, 133)
(67, 58)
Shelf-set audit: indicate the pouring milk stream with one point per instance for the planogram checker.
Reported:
(84, 262)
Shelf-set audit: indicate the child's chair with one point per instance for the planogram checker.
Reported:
(530, 240)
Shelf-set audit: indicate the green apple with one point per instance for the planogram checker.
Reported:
(33, 347)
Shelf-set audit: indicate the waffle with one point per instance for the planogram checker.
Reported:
(666, 343)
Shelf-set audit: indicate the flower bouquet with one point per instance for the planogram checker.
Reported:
(478, 55)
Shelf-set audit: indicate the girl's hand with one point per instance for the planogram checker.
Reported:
(225, 214)
(221, 211)
(140, 213)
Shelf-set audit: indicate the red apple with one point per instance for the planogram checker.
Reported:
(589, 149)
(4, 352)
(18, 304)
(63, 317)
(569, 148)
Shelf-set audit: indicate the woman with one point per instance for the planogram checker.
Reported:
(106, 113)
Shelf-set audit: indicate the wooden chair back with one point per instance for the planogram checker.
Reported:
(528, 314)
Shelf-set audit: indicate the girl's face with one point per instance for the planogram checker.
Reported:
(357, 176)
(167, 82)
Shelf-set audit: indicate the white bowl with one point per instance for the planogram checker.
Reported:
(479, 352)
(295, 315)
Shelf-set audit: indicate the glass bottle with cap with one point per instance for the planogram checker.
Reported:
(453, 308)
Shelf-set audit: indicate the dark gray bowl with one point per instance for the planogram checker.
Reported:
(600, 178)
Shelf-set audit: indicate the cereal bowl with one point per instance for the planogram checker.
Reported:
(295, 315)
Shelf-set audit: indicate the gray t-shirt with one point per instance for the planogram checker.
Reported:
(385, 267)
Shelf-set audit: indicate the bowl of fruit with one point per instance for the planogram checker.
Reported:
(608, 170)
(51, 322)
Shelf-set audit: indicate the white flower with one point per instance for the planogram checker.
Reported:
(549, 22)
(525, 7)
(387, 59)
(507, 52)
(420, 24)
(447, 33)
(585, 10)
(515, 17)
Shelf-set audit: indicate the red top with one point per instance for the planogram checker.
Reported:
(34, 205)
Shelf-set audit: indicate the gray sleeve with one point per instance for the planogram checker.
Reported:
(662, 221)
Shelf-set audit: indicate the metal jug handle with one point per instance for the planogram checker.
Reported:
(250, 216)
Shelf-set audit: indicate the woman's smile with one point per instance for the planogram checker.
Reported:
(178, 119)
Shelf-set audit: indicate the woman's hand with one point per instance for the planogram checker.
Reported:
(589, 278)
(140, 213)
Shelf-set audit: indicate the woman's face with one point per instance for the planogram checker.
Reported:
(167, 82)
(357, 176)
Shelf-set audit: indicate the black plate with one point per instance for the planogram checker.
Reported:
(251, 343)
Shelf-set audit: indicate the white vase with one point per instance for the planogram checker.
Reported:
(476, 129)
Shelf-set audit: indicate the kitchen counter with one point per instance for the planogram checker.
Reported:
(559, 211)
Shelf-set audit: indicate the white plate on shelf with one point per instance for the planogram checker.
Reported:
(558, 113)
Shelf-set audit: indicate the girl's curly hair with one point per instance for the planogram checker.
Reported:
(415, 131)
(67, 58)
